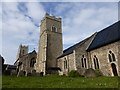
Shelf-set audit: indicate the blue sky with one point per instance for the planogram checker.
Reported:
(21, 21)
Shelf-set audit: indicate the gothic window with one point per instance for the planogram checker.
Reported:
(65, 64)
(32, 62)
(96, 63)
(84, 62)
(111, 56)
(54, 29)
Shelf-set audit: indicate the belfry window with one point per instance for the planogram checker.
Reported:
(54, 29)
(84, 62)
(23, 52)
(96, 63)
(111, 56)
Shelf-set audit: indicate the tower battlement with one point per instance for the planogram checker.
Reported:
(50, 17)
(24, 46)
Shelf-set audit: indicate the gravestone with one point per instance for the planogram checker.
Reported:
(13, 72)
(90, 73)
(33, 72)
(21, 73)
(29, 74)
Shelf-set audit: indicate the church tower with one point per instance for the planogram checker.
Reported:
(22, 50)
(50, 43)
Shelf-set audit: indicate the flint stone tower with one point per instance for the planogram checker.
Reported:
(22, 50)
(50, 43)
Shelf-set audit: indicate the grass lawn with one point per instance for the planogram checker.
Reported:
(59, 82)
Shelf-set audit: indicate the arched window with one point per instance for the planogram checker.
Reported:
(54, 29)
(96, 63)
(84, 62)
(111, 56)
(32, 62)
(65, 64)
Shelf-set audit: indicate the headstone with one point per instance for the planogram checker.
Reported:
(13, 72)
(41, 74)
(90, 73)
(29, 74)
(21, 73)
(33, 72)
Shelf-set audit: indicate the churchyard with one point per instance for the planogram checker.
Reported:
(59, 82)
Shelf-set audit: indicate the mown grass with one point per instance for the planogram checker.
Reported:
(59, 82)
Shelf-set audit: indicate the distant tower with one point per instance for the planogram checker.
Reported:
(50, 43)
(22, 50)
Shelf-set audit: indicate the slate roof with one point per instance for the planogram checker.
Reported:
(69, 50)
(11, 66)
(106, 36)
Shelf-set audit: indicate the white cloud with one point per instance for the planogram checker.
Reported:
(38, 11)
(19, 28)
(82, 20)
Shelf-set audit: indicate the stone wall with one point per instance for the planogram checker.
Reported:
(102, 55)
(70, 63)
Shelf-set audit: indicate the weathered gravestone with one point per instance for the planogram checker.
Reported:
(13, 72)
(21, 73)
(90, 73)
(33, 73)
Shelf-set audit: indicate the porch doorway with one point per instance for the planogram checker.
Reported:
(114, 69)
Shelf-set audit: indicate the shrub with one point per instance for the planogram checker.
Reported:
(98, 72)
(74, 73)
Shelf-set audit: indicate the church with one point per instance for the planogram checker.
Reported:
(100, 51)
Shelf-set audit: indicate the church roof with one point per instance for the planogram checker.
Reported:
(11, 66)
(106, 36)
(69, 50)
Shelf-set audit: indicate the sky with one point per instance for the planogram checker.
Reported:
(21, 22)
